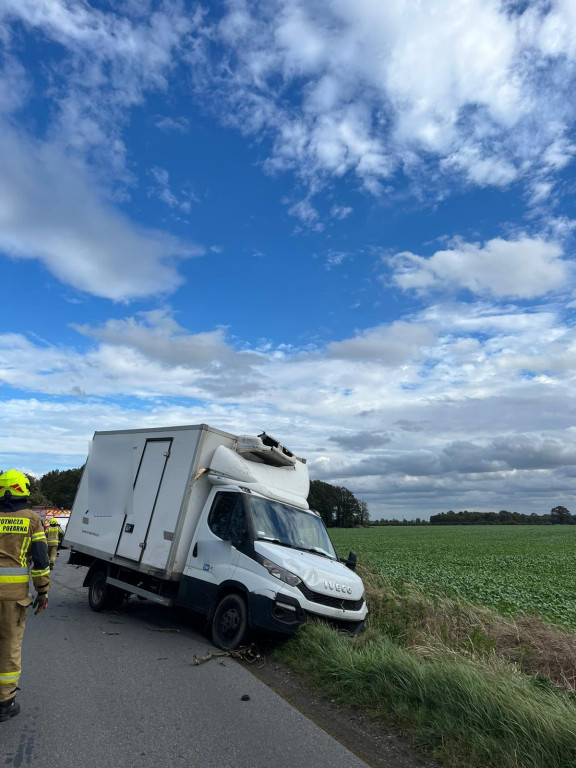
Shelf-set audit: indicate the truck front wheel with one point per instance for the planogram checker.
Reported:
(230, 622)
(102, 595)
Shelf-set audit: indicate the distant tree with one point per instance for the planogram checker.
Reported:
(322, 498)
(337, 505)
(37, 498)
(561, 516)
(364, 517)
(60, 486)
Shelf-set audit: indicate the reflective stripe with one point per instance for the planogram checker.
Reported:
(14, 576)
(24, 550)
(9, 677)
(14, 579)
(36, 574)
(40, 536)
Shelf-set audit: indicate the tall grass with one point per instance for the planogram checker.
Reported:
(470, 717)
(434, 669)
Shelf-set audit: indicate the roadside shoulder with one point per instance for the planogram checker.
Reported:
(376, 743)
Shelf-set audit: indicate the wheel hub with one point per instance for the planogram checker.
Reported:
(230, 621)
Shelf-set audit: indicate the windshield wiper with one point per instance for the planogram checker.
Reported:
(316, 551)
(274, 541)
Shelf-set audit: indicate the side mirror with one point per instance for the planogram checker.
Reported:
(351, 561)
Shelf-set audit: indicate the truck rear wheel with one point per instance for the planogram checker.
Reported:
(101, 595)
(230, 622)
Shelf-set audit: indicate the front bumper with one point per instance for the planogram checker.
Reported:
(283, 614)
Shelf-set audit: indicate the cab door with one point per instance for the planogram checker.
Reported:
(214, 553)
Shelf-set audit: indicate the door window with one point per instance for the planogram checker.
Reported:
(226, 519)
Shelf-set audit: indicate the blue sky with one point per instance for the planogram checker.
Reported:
(351, 225)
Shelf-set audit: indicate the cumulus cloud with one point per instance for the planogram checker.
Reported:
(479, 89)
(105, 64)
(360, 441)
(524, 268)
(507, 452)
(157, 336)
(419, 415)
(389, 345)
(50, 210)
(482, 87)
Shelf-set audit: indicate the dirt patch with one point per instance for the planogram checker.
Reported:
(376, 743)
(538, 649)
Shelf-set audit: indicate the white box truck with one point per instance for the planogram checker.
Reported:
(196, 517)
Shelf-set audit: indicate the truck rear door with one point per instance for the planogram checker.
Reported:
(132, 541)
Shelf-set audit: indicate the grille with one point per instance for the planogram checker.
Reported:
(329, 600)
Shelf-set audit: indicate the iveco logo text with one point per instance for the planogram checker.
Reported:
(331, 585)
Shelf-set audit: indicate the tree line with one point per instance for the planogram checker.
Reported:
(558, 516)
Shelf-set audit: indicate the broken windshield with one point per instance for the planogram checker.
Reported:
(282, 524)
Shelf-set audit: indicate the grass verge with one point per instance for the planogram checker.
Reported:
(436, 667)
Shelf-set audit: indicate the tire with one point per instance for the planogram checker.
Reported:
(101, 595)
(230, 622)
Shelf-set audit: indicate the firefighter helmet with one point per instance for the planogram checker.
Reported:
(14, 483)
(53, 521)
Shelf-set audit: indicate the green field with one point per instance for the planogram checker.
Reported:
(512, 569)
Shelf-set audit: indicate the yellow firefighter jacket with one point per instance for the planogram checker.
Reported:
(53, 534)
(22, 538)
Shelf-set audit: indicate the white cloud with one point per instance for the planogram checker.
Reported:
(14, 85)
(51, 211)
(157, 336)
(108, 62)
(340, 211)
(373, 85)
(173, 124)
(335, 258)
(307, 214)
(449, 408)
(523, 268)
(483, 171)
(164, 192)
(389, 345)
(374, 88)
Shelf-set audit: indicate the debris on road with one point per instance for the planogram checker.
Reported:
(249, 654)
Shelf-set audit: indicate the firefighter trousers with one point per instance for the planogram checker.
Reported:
(52, 553)
(12, 622)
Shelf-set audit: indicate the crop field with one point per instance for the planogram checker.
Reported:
(512, 569)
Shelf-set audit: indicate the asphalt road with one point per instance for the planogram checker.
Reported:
(122, 689)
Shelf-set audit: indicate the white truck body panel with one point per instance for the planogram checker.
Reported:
(129, 481)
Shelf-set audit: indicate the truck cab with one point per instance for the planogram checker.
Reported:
(278, 557)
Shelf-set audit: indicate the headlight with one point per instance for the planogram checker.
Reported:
(280, 573)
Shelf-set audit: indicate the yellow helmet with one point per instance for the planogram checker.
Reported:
(14, 483)
(53, 521)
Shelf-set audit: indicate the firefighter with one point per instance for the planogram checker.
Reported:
(53, 537)
(21, 538)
